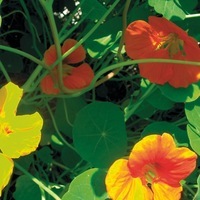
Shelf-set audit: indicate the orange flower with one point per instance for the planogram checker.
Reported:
(161, 38)
(73, 77)
(153, 171)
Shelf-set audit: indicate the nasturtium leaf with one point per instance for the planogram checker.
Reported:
(166, 127)
(88, 185)
(13, 63)
(192, 111)
(176, 9)
(156, 98)
(194, 137)
(69, 157)
(145, 110)
(104, 38)
(26, 189)
(189, 94)
(99, 133)
(92, 9)
(139, 12)
(197, 195)
(65, 114)
(44, 154)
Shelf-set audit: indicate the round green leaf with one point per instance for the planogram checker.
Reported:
(99, 133)
(88, 185)
(191, 93)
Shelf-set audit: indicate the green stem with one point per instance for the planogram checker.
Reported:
(57, 131)
(2, 68)
(124, 24)
(24, 54)
(39, 183)
(130, 109)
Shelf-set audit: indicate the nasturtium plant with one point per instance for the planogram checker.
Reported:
(99, 99)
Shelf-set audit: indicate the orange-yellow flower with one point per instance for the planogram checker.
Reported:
(153, 171)
(73, 77)
(161, 38)
(19, 135)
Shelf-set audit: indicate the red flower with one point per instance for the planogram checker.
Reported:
(153, 171)
(161, 38)
(73, 77)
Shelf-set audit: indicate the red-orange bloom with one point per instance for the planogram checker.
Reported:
(153, 171)
(73, 77)
(161, 38)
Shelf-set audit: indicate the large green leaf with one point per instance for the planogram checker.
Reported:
(104, 38)
(88, 185)
(156, 98)
(92, 9)
(173, 8)
(99, 133)
(26, 189)
(189, 94)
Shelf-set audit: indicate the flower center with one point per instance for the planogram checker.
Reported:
(5, 129)
(150, 173)
(172, 43)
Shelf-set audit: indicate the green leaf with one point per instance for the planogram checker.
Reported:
(92, 9)
(44, 154)
(26, 189)
(194, 137)
(156, 98)
(192, 111)
(189, 94)
(173, 8)
(65, 114)
(104, 38)
(99, 133)
(166, 127)
(88, 185)
(69, 157)
(197, 196)
(13, 63)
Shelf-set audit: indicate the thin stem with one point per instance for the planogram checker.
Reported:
(39, 183)
(192, 15)
(5, 73)
(57, 131)
(24, 54)
(130, 109)
(124, 25)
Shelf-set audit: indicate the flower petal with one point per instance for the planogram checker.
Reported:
(140, 40)
(121, 185)
(50, 55)
(6, 169)
(10, 96)
(80, 77)
(85, 71)
(77, 55)
(171, 164)
(24, 137)
(48, 86)
(166, 192)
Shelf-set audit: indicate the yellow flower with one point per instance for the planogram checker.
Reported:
(153, 171)
(19, 135)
